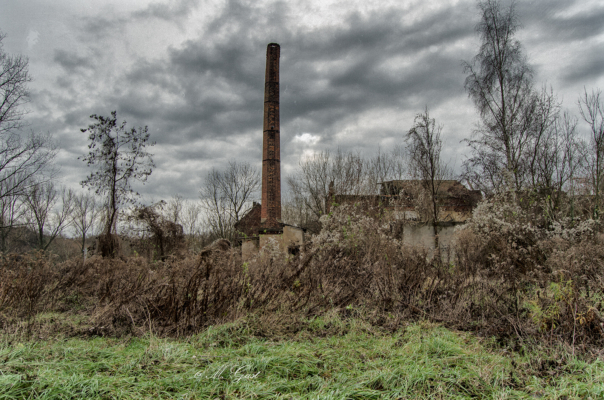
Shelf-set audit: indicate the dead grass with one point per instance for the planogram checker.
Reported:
(550, 290)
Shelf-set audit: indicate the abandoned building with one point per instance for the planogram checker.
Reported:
(263, 222)
(403, 198)
(455, 201)
(406, 201)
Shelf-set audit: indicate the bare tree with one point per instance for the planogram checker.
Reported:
(219, 220)
(499, 81)
(190, 217)
(295, 212)
(226, 196)
(173, 209)
(544, 120)
(84, 216)
(591, 107)
(239, 182)
(346, 172)
(311, 182)
(341, 174)
(46, 219)
(14, 76)
(386, 166)
(25, 158)
(22, 156)
(483, 171)
(191, 220)
(559, 160)
(12, 210)
(120, 157)
(424, 146)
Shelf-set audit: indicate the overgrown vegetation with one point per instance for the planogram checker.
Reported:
(506, 277)
(527, 268)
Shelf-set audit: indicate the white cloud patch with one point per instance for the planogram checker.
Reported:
(307, 139)
(308, 154)
(32, 39)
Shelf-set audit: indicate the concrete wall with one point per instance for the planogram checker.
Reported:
(423, 236)
(413, 235)
(249, 249)
(264, 239)
(444, 215)
(291, 236)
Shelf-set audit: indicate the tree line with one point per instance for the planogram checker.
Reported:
(524, 143)
(34, 208)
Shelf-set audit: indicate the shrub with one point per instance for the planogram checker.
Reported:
(507, 277)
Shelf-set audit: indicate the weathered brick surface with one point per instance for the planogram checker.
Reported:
(249, 223)
(271, 147)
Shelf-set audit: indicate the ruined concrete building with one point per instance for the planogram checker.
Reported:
(405, 198)
(401, 197)
(455, 201)
(263, 221)
(410, 210)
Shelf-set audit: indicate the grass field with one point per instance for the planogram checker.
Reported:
(330, 359)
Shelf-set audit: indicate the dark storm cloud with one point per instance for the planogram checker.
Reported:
(71, 61)
(577, 27)
(589, 69)
(99, 27)
(353, 81)
(210, 85)
(174, 11)
(361, 49)
(572, 28)
(217, 80)
(553, 22)
(238, 16)
(211, 88)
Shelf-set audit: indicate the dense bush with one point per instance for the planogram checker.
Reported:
(506, 276)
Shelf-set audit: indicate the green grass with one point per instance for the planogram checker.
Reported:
(330, 359)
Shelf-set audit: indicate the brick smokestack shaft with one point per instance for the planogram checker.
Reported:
(271, 165)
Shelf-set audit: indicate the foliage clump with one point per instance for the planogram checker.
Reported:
(507, 276)
(119, 157)
(154, 234)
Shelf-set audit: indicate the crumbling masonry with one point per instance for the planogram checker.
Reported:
(260, 227)
(270, 216)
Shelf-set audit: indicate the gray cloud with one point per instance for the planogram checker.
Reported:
(554, 23)
(355, 80)
(169, 12)
(71, 61)
(590, 68)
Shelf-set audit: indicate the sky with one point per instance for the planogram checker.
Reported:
(353, 74)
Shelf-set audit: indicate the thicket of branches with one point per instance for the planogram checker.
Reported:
(524, 140)
(339, 173)
(505, 278)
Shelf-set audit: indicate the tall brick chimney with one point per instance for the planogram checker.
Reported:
(270, 215)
